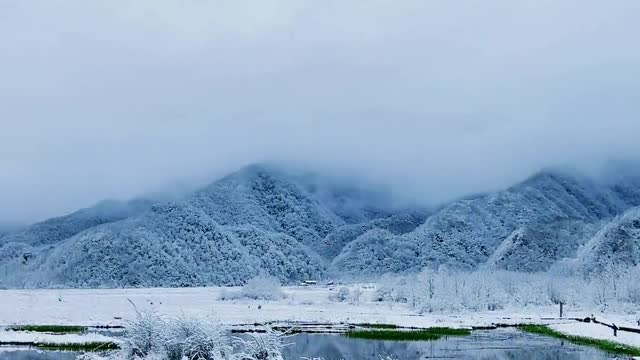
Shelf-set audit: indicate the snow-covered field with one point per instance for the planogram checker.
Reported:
(311, 304)
(597, 332)
(302, 304)
(44, 338)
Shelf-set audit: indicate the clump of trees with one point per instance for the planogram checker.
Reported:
(486, 290)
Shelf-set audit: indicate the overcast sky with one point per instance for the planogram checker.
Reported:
(112, 99)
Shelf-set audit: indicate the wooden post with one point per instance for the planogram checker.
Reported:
(561, 309)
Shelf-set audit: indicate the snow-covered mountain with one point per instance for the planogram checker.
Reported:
(258, 220)
(617, 243)
(296, 226)
(60, 228)
(527, 227)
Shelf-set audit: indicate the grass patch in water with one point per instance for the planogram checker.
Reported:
(605, 345)
(449, 331)
(90, 346)
(407, 335)
(58, 329)
(378, 326)
(392, 335)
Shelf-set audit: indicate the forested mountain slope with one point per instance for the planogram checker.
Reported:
(257, 220)
(296, 226)
(616, 244)
(56, 229)
(526, 227)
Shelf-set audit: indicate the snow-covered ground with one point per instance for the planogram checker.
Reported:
(44, 338)
(597, 331)
(303, 304)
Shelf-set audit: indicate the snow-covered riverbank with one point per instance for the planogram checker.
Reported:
(29, 337)
(302, 304)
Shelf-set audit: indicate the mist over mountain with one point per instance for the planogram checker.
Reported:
(57, 229)
(265, 219)
(260, 219)
(9, 228)
(436, 99)
(526, 227)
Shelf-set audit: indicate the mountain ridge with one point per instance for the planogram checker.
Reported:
(265, 220)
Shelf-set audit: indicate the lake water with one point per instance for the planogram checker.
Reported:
(485, 345)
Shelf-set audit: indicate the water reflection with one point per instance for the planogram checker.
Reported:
(481, 345)
(33, 354)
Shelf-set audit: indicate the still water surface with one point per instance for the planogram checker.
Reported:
(484, 345)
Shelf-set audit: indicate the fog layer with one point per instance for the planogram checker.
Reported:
(435, 98)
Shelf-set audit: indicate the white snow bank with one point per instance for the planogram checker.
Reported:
(597, 331)
(46, 338)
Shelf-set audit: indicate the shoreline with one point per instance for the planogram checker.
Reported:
(303, 305)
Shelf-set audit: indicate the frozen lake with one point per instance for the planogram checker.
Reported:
(486, 344)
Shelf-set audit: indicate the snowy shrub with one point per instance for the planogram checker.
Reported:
(145, 335)
(345, 295)
(196, 339)
(258, 288)
(152, 337)
(260, 346)
(355, 296)
(229, 295)
(391, 288)
(341, 295)
(262, 288)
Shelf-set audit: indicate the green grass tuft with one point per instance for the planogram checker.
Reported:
(60, 329)
(605, 345)
(449, 331)
(407, 335)
(378, 326)
(392, 335)
(92, 346)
